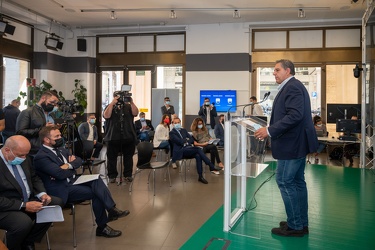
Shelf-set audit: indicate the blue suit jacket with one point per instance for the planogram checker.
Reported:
(179, 141)
(47, 166)
(219, 133)
(291, 128)
(84, 131)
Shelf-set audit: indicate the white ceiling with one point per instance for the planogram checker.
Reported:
(275, 13)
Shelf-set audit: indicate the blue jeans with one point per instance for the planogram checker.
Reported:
(321, 147)
(290, 177)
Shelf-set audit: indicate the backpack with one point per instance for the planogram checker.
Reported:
(336, 153)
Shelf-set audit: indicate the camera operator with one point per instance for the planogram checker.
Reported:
(120, 134)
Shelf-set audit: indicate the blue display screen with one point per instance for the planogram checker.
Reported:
(222, 99)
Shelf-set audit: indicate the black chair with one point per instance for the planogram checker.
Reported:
(145, 150)
(84, 150)
(72, 206)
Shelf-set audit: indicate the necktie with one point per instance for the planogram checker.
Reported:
(58, 153)
(20, 182)
(252, 110)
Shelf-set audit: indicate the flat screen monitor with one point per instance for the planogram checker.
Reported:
(348, 126)
(222, 99)
(342, 111)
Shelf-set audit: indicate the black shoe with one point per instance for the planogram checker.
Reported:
(203, 180)
(287, 232)
(108, 232)
(129, 179)
(285, 224)
(116, 213)
(28, 246)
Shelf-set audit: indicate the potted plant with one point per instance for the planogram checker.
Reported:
(35, 91)
(80, 95)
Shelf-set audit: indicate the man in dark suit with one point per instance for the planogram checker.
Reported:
(182, 149)
(57, 170)
(219, 130)
(292, 138)
(208, 113)
(89, 136)
(143, 127)
(22, 194)
(167, 108)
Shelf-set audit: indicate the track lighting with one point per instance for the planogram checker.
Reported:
(172, 15)
(113, 15)
(301, 13)
(236, 14)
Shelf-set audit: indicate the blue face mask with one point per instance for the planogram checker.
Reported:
(92, 121)
(17, 160)
(207, 103)
(177, 125)
(54, 109)
(167, 102)
(200, 126)
(142, 119)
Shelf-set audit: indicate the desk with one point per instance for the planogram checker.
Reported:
(336, 142)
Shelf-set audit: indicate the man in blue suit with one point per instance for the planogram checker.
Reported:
(219, 131)
(56, 167)
(183, 149)
(292, 138)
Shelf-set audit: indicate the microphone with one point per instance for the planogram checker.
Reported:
(228, 114)
(265, 97)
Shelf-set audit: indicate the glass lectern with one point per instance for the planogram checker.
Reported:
(243, 163)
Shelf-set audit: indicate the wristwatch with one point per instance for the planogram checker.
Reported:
(23, 206)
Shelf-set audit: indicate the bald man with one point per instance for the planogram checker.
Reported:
(22, 194)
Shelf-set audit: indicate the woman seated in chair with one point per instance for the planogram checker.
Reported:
(161, 135)
(320, 128)
(202, 138)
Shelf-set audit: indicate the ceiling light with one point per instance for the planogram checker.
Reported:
(236, 14)
(53, 43)
(301, 13)
(113, 15)
(173, 15)
(6, 28)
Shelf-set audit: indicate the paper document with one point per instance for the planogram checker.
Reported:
(49, 214)
(213, 141)
(86, 178)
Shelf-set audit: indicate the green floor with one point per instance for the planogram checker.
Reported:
(341, 214)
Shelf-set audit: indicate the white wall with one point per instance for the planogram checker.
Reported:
(214, 39)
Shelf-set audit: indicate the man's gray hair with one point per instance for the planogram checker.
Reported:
(287, 64)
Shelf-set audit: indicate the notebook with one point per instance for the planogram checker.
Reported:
(213, 141)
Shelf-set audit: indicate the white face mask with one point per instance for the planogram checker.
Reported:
(319, 125)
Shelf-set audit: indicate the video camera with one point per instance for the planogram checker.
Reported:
(123, 94)
(70, 106)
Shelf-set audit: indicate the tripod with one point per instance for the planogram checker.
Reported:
(69, 132)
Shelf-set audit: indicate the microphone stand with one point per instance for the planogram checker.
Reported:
(265, 97)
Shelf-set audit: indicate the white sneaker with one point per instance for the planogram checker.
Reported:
(215, 172)
(174, 165)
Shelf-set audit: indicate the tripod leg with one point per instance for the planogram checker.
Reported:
(121, 163)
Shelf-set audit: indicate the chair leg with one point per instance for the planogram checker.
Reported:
(47, 239)
(154, 180)
(74, 226)
(131, 183)
(92, 215)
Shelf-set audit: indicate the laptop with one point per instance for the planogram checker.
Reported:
(319, 133)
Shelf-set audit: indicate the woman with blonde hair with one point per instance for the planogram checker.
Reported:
(161, 135)
(202, 138)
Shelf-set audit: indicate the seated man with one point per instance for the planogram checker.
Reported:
(89, 133)
(57, 170)
(143, 127)
(219, 131)
(182, 149)
(22, 194)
